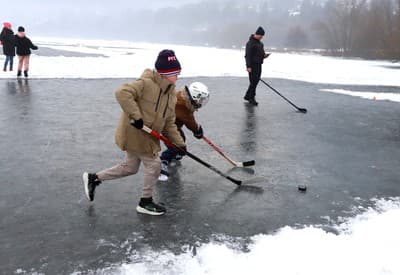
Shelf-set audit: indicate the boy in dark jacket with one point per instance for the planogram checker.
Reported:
(8, 41)
(24, 46)
(255, 55)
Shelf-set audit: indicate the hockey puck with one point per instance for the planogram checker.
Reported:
(302, 188)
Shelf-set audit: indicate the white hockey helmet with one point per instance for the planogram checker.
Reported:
(199, 94)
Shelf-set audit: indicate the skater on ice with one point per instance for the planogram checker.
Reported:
(255, 56)
(188, 100)
(150, 101)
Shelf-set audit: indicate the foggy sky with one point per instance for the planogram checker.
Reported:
(22, 8)
(170, 21)
(77, 18)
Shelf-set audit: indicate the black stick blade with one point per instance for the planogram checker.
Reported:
(249, 163)
(302, 110)
(235, 181)
(254, 180)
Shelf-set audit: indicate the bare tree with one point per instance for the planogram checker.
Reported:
(378, 33)
(297, 37)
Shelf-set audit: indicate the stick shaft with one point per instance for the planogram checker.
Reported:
(234, 163)
(272, 88)
(170, 144)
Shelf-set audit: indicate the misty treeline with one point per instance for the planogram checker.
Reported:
(364, 28)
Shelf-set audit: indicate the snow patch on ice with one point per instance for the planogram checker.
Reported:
(367, 95)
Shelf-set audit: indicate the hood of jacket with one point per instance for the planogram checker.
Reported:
(183, 99)
(254, 39)
(153, 75)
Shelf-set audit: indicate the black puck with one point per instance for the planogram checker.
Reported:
(302, 188)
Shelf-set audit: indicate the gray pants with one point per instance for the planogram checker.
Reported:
(130, 166)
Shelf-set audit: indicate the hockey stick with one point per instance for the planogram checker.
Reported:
(302, 110)
(170, 144)
(234, 163)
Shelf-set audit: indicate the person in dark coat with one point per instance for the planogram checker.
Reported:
(24, 46)
(8, 41)
(255, 55)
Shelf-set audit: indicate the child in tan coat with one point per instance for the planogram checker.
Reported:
(150, 101)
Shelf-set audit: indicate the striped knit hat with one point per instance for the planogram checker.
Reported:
(167, 64)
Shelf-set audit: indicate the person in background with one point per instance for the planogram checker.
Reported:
(24, 46)
(255, 55)
(188, 100)
(8, 41)
(150, 101)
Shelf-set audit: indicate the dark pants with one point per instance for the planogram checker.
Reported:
(254, 78)
(170, 154)
(9, 58)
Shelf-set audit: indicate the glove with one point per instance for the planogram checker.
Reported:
(199, 133)
(138, 124)
(182, 150)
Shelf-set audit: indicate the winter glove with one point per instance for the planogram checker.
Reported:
(182, 150)
(199, 133)
(138, 124)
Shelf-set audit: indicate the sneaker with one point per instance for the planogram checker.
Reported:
(164, 174)
(19, 73)
(162, 177)
(178, 157)
(90, 182)
(26, 73)
(147, 206)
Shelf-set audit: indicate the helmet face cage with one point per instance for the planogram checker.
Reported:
(199, 93)
(203, 99)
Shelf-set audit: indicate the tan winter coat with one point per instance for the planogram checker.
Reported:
(151, 98)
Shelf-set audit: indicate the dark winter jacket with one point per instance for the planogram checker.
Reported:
(8, 40)
(254, 52)
(24, 45)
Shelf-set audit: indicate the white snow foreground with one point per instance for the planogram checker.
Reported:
(124, 59)
(365, 244)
